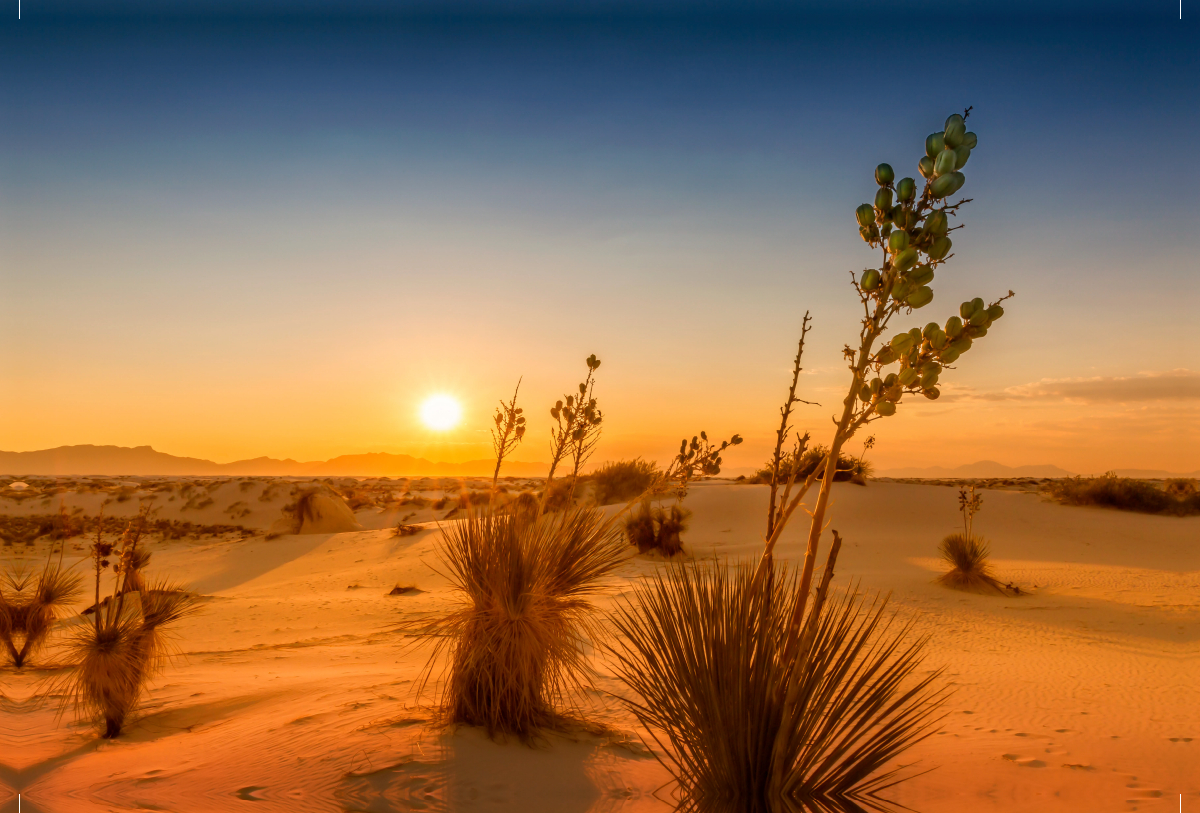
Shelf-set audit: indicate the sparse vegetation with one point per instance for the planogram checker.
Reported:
(29, 607)
(1178, 497)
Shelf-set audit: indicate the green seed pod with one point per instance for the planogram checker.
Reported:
(908, 376)
(970, 141)
(978, 318)
(958, 180)
(940, 248)
(885, 355)
(930, 330)
(961, 155)
(962, 344)
(942, 186)
(956, 130)
(915, 333)
(937, 223)
(934, 144)
(890, 381)
(977, 304)
(920, 297)
(865, 215)
(875, 238)
(865, 234)
(932, 393)
(900, 292)
(978, 332)
(885, 408)
(906, 189)
(905, 259)
(922, 275)
(995, 312)
(884, 174)
(965, 310)
(876, 386)
(870, 280)
(902, 343)
(883, 200)
(864, 394)
(949, 355)
(897, 241)
(940, 341)
(954, 327)
(944, 163)
(925, 167)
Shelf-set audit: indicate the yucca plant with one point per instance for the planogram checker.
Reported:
(762, 696)
(657, 527)
(517, 644)
(967, 556)
(123, 644)
(743, 725)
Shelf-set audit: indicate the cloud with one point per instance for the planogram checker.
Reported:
(1170, 385)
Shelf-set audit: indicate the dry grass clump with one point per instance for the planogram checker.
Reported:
(408, 530)
(752, 715)
(623, 481)
(1178, 498)
(969, 569)
(652, 527)
(517, 645)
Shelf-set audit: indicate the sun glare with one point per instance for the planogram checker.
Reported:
(440, 412)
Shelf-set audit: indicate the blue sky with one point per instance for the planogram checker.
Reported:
(269, 234)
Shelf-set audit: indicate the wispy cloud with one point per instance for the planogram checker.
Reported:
(1169, 385)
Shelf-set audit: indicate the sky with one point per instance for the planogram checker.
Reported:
(272, 228)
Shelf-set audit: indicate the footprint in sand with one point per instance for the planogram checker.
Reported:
(1023, 762)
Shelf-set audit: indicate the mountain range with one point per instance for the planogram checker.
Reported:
(143, 460)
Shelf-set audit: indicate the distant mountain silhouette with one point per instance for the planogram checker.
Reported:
(990, 468)
(143, 460)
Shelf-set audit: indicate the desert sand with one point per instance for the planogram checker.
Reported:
(294, 690)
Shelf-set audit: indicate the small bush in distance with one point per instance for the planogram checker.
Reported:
(623, 481)
(1126, 494)
(652, 527)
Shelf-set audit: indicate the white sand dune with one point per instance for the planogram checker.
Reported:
(294, 690)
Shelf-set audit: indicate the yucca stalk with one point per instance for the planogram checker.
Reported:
(517, 644)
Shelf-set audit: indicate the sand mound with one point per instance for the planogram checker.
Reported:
(317, 512)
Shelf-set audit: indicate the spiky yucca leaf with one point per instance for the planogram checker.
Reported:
(516, 646)
(742, 726)
(29, 608)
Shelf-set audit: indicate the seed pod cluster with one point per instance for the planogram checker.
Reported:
(913, 230)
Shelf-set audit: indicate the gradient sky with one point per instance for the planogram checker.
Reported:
(235, 233)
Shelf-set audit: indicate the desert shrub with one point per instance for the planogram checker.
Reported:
(746, 721)
(408, 530)
(623, 481)
(967, 556)
(1180, 487)
(848, 468)
(525, 502)
(1123, 493)
(558, 495)
(517, 644)
(654, 527)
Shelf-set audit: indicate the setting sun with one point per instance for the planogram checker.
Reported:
(441, 412)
